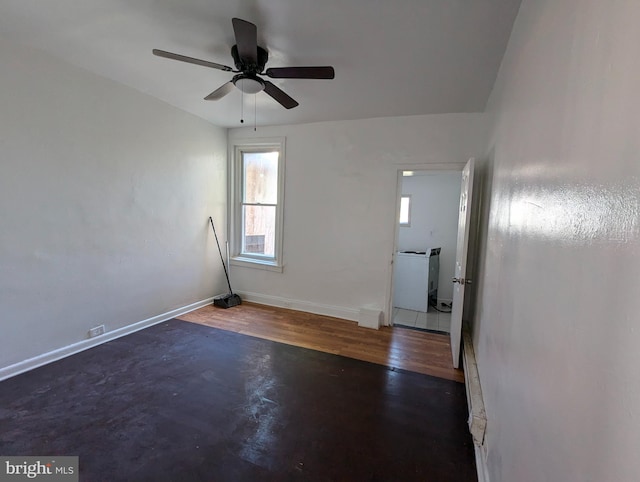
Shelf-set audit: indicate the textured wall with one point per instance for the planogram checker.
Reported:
(105, 195)
(557, 320)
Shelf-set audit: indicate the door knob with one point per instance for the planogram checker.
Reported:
(462, 281)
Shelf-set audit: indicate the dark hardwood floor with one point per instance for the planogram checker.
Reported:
(413, 350)
(249, 393)
(181, 401)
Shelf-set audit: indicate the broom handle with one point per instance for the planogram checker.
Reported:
(226, 273)
(226, 249)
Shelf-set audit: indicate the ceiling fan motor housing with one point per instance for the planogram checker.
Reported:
(250, 68)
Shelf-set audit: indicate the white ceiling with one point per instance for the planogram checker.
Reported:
(392, 57)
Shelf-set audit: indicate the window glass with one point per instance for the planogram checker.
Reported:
(260, 175)
(405, 210)
(259, 236)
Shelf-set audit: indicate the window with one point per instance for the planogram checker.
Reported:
(257, 174)
(405, 210)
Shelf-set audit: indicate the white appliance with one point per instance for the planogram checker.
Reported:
(416, 279)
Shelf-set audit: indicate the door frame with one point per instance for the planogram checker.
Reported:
(399, 168)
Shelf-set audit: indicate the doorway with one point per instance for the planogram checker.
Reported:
(425, 248)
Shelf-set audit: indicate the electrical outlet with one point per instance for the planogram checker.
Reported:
(96, 331)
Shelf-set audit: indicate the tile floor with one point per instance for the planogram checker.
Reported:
(432, 320)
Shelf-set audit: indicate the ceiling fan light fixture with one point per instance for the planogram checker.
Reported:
(249, 85)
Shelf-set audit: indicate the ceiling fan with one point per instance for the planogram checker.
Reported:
(250, 60)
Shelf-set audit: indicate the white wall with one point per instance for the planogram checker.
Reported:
(556, 331)
(340, 204)
(435, 202)
(104, 196)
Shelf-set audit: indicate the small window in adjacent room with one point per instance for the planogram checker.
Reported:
(405, 210)
(257, 173)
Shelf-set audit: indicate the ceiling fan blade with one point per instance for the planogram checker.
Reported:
(279, 95)
(220, 92)
(246, 39)
(301, 73)
(191, 60)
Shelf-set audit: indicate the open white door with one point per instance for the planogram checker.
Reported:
(460, 279)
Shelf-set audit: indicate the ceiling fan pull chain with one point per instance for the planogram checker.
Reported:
(255, 112)
(242, 107)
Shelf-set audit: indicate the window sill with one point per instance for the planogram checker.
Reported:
(256, 264)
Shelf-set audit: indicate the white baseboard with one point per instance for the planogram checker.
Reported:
(475, 402)
(37, 361)
(306, 306)
(481, 463)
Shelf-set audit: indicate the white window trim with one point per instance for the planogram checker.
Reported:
(235, 211)
(408, 223)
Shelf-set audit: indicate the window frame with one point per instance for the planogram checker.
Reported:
(236, 225)
(408, 223)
